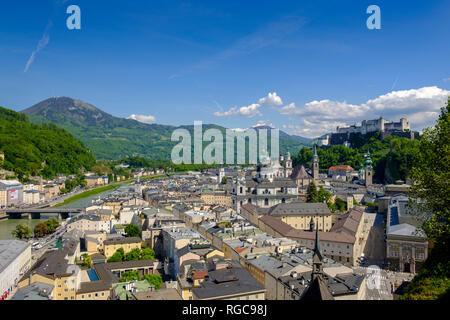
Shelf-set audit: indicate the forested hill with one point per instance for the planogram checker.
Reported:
(111, 138)
(392, 157)
(32, 149)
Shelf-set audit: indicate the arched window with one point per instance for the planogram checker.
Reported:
(266, 202)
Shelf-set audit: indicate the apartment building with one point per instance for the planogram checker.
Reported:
(15, 260)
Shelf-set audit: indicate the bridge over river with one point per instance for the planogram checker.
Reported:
(62, 213)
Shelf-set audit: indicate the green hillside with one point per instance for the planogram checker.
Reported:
(111, 138)
(392, 157)
(32, 149)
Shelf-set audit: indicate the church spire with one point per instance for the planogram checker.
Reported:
(317, 243)
(317, 257)
(315, 165)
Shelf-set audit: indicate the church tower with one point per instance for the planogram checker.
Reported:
(318, 286)
(315, 165)
(287, 165)
(368, 169)
(317, 258)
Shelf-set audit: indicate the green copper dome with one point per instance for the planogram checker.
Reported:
(361, 169)
(368, 161)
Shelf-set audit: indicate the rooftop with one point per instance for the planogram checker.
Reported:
(10, 250)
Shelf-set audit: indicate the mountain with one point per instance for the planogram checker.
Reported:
(32, 149)
(307, 141)
(110, 137)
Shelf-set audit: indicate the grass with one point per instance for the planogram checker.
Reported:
(100, 190)
(86, 194)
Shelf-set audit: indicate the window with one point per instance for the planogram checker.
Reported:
(266, 202)
(348, 260)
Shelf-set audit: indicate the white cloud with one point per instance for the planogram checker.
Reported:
(325, 109)
(421, 107)
(423, 99)
(313, 129)
(446, 79)
(246, 111)
(271, 100)
(263, 123)
(143, 118)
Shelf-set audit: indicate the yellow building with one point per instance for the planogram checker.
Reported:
(217, 197)
(110, 246)
(54, 270)
(94, 290)
(297, 214)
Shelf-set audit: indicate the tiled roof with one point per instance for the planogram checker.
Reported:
(300, 173)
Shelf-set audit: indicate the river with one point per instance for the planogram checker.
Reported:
(8, 225)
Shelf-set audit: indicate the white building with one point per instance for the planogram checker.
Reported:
(15, 260)
(85, 222)
(31, 196)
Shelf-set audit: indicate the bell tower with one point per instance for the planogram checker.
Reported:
(368, 168)
(287, 165)
(315, 165)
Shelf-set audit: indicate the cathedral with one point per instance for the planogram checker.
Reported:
(269, 185)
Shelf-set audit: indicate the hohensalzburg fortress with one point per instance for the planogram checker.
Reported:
(381, 125)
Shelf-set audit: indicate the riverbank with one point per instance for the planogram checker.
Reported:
(86, 194)
(95, 191)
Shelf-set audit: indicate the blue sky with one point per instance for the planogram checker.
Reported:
(303, 66)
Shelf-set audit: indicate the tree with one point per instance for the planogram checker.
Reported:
(311, 194)
(87, 261)
(340, 204)
(133, 255)
(21, 231)
(40, 229)
(130, 275)
(52, 224)
(431, 175)
(430, 200)
(132, 230)
(148, 254)
(154, 279)
(224, 180)
(116, 257)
